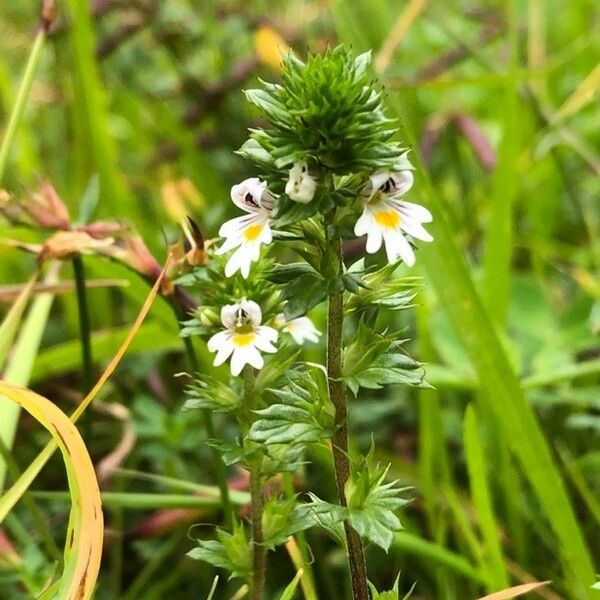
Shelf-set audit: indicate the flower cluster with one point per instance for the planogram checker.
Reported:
(315, 156)
(386, 218)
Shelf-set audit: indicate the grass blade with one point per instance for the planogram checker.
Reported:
(86, 528)
(476, 461)
(513, 592)
(21, 101)
(18, 488)
(20, 364)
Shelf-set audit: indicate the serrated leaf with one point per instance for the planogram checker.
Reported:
(282, 518)
(289, 212)
(393, 594)
(303, 415)
(274, 370)
(372, 502)
(329, 517)
(302, 294)
(231, 551)
(371, 506)
(232, 452)
(209, 393)
(268, 104)
(372, 360)
(285, 273)
(282, 458)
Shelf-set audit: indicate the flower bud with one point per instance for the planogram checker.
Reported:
(208, 316)
(301, 186)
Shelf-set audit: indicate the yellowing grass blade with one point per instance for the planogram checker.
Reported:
(581, 96)
(13, 495)
(9, 293)
(513, 592)
(86, 524)
(407, 17)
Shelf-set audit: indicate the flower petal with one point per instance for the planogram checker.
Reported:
(374, 239)
(415, 211)
(364, 222)
(252, 311)
(238, 360)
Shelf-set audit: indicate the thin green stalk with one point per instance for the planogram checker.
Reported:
(339, 441)
(209, 427)
(21, 101)
(84, 328)
(259, 550)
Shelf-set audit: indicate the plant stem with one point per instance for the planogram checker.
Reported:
(84, 323)
(339, 442)
(259, 551)
(209, 427)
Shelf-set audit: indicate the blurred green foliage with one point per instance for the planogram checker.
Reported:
(500, 103)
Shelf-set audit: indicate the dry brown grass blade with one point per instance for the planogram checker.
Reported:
(517, 590)
(8, 293)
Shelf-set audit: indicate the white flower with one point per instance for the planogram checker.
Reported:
(244, 337)
(387, 219)
(301, 185)
(302, 329)
(248, 232)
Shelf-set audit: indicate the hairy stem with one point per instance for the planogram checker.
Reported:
(209, 427)
(259, 550)
(339, 442)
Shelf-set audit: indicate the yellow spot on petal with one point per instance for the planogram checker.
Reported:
(243, 339)
(388, 219)
(253, 232)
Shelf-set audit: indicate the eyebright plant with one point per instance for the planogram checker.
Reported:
(328, 170)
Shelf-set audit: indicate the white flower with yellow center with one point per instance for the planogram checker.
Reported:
(301, 185)
(244, 337)
(301, 329)
(388, 219)
(248, 232)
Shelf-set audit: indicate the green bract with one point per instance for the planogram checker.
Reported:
(327, 110)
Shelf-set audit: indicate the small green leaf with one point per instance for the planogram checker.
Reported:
(286, 273)
(209, 393)
(372, 360)
(303, 416)
(288, 212)
(371, 506)
(231, 551)
(282, 518)
(302, 294)
(274, 370)
(372, 502)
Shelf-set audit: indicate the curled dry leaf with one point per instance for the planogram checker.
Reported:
(66, 244)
